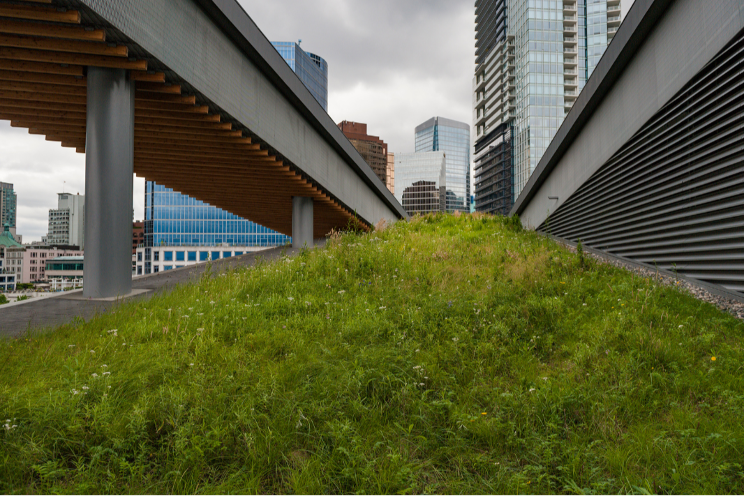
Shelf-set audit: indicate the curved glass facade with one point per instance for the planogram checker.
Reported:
(310, 68)
(453, 138)
(174, 219)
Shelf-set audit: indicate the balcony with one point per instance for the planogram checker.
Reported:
(615, 9)
(572, 94)
(569, 8)
(570, 83)
(611, 32)
(570, 50)
(569, 40)
(569, 29)
(614, 21)
(569, 61)
(569, 19)
(572, 72)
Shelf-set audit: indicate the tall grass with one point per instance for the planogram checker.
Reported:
(446, 354)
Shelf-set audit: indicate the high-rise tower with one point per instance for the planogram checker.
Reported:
(453, 138)
(532, 58)
(310, 68)
(8, 204)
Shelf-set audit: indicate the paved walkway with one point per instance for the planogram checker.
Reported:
(17, 319)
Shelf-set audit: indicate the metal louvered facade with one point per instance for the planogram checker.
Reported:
(673, 195)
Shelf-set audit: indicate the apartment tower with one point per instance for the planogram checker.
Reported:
(8, 204)
(373, 150)
(532, 58)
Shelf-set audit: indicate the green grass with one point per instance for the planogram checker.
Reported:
(446, 354)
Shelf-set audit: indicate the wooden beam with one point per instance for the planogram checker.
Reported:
(43, 88)
(72, 59)
(177, 116)
(203, 145)
(51, 127)
(174, 89)
(186, 140)
(49, 14)
(165, 131)
(51, 30)
(148, 104)
(41, 97)
(57, 45)
(35, 77)
(164, 121)
(41, 67)
(155, 77)
(21, 113)
(28, 121)
(190, 157)
(164, 97)
(39, 105)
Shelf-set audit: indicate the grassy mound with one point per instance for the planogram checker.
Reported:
(446, 354)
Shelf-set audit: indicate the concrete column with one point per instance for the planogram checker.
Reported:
(109, 166)
(302, 222)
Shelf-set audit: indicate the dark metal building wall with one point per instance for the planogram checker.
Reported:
(673, 195)
(494, 172)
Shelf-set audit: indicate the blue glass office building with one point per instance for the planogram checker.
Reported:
(173, 219)
(311, 69)
(452, 137)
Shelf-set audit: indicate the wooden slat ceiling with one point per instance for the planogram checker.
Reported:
(43, 54)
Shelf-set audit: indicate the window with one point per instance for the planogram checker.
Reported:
(215, 255)
(192, 256)
(226, 254)
(139, 270)
(167, 267)
(156, 269)
(168, 256)
(180, 256)
(139, 256)
(203, 256)
(157, 256)
(238, 253)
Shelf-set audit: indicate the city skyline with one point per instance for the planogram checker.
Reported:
(392, 96)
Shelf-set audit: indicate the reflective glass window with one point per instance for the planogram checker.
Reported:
(180, 256)
(168, 256)
(192, 256)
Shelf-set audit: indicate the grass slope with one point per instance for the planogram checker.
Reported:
(447, 354)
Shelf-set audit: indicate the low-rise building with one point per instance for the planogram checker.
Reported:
(164, 258)
(65, 272)
(7, 283)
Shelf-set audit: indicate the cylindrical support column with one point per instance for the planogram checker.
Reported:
(109, 166)
(302, 222)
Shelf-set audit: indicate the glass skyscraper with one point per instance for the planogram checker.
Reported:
(173, 219)
(421, 181)
(453, 138)
(8, 203)
(533, 57)
(310, 68)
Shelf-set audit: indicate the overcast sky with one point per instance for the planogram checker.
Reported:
(392, 64)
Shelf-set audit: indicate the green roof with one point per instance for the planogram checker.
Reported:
(6, 239)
